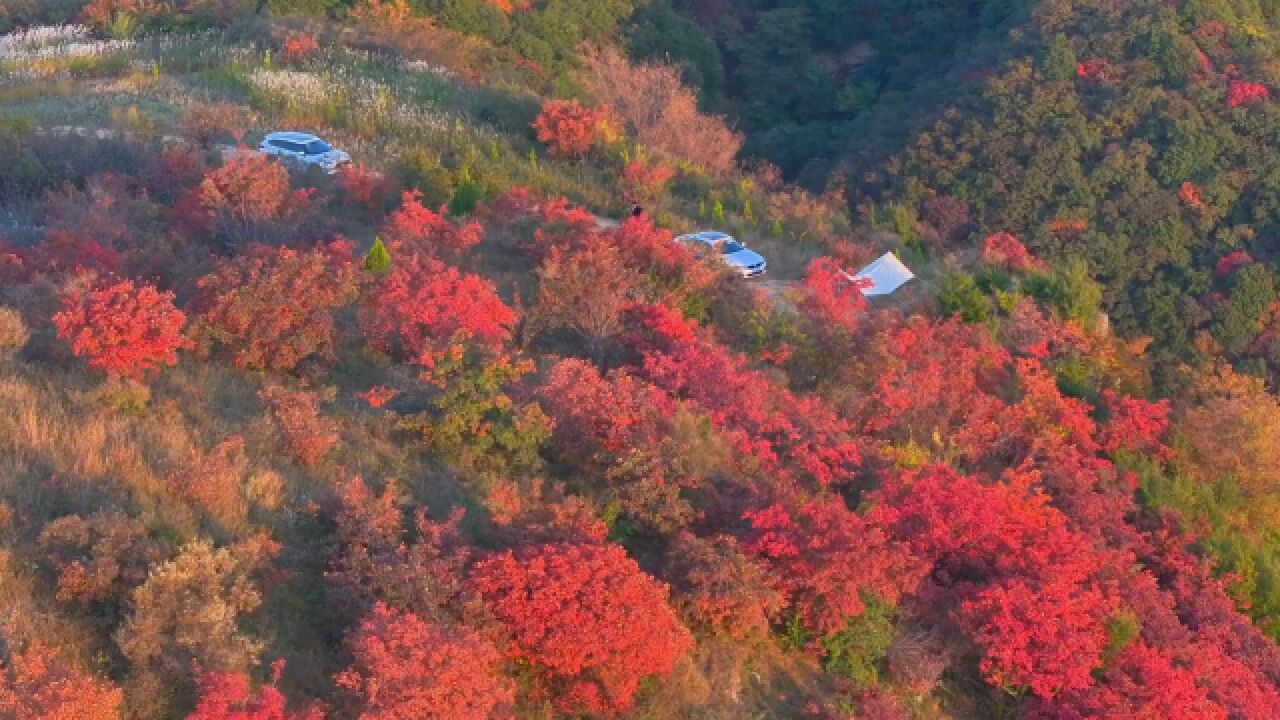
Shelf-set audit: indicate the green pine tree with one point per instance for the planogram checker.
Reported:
(378, 260)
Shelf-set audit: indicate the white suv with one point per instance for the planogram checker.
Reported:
(304, 150)
(740, 259)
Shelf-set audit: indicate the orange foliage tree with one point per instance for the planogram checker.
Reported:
(570, 128)
(664, 114)
(585, 619)
(122, 329)
(35, 685)
(405, 668)
(244, 199)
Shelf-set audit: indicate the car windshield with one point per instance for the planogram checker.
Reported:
(730, 246)
(317, 147)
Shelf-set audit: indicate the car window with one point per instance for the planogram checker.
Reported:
(317, 147)
(731, 246)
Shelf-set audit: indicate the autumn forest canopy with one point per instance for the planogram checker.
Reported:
(460, 431)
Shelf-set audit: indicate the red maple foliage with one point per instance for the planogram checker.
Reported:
(1034, 594)
(374, 563)
(68, 252)
(618, 428)
(937, 379)
(362, 186)
(414, 228)
(298, 46)
(827, 559)
(122, 329)
(1191, 195)
(643, 180)
(1133, 424)
(1092, 69)
(35, 685)
(378, 395)
(1006, 251)
(570, 128)
(562, 226)
(272, 307)
(1232, 262)
(406, 668)
(423, 306)
(1244, 92)
(1142, 682)
(585, 618)
(831, 296)
(671, 273)
(585, 291)
(228, 696)
(793, 437)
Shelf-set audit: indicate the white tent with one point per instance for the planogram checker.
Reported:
(886, 274)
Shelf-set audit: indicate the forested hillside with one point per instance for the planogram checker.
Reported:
(460, 431)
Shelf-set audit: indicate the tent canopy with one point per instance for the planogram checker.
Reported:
(886, 274)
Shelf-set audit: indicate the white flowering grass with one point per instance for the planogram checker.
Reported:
(43, 52)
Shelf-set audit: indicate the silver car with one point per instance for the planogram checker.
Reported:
(303, 150)
(741, 259)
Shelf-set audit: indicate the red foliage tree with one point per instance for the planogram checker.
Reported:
(644, 181)
(618, 428)
(570, 128)
(374, 562)
(414, 228)
(404, 668)
(831, 296)
(298, 47)
(1034, 594)
(362, 186)
(122, 329)
(1244, 92)
(585, 618)
(1133, 423)
(228, 696)
(671, 273)
(1006, 251)
(937, 379)
(35, 685)
(272, 307)
(827, 558)
(1093, 69)
(1191, 195)
(793, 437)
(1142, 682)
(67, 252)
(1232, 262)
(422, 306)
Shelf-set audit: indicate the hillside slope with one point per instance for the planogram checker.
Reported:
(425, 438)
